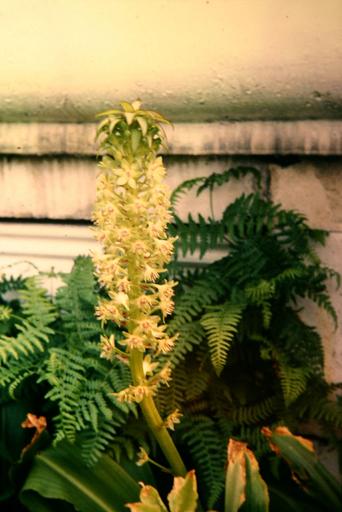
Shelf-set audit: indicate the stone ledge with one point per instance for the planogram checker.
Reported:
(323, 137)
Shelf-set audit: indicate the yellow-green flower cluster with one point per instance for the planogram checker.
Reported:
(131, 216)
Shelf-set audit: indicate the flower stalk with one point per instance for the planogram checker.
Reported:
(131, 216)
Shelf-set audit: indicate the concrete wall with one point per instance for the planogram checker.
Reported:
(200, 60)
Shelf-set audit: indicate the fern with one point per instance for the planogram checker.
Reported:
(236, 173)
(293, 382)
(184, 187)
(258, 360)
(215, 180)
(190, 335)
(208, 454)
(197, 234)
(95, 442)
(64, 362)
(261, 412)
(208, 289)
(76, 302)
(220, 324)
(33, 328)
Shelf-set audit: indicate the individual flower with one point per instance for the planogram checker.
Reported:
(166, 344)
(133, 341)
(145, 302)
(164, 248)
(166, 306)
(148, 366)
(107, 310)
(123, 285)
(172, 419)
(164, 375)
(121, 299)
(127, 175)
(134, 393)
(107, 345)
(151, 274)
(142, 457)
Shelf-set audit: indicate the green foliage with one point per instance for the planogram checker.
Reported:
(54, 351)
(60, 474)
(244, 484)
(241, 334)
(203, 441)
(33, 328)
(220, 324)
(306, 470)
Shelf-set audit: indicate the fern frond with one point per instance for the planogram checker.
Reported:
(16, 382)
(34, 330)
(218, 179)
(293, 382)
(76, 302)
(94, 442)
(252, 414)
(171, 397)
(35, 303)
(205, 291)
(184, 187)
(208, 453)
(199, 233)
(220, 324)
(190, 336)
(259, 292)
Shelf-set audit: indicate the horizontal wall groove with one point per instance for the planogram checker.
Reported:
(309, 137)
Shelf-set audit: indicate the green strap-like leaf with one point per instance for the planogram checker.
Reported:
(60, 473)
(235, 494)
(308, 471)
(257, 498)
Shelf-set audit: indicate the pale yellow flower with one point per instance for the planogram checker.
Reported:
(127, 175)
(122, 234)
(123, 285)
(134, 341)
(131, 217)
(148, 366)
(145, 302)
(120, 299)
(166, 306)
(107, 310)
(151, 274)
(166, 344)
(134, 393)
(142, 457)
(165, 374)
(107, 345)
(172, 419)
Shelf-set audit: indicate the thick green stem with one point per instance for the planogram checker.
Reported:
(153, 418)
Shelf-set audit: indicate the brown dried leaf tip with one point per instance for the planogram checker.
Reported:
(37, 422)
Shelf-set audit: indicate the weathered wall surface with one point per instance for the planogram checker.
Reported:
(192, 59)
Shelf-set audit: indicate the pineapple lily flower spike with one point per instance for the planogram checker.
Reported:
(131, 216)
